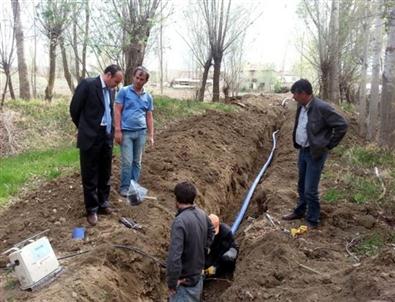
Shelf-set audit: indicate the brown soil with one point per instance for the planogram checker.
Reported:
(221, 153)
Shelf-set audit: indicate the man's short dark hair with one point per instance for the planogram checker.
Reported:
(302, 86)
(142, 69)
(185, 192)
(113, 69)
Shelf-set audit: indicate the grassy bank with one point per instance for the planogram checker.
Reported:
(364, 175)
(45, 138)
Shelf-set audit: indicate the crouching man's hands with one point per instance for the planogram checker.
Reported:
(230, 255)
(210, 271)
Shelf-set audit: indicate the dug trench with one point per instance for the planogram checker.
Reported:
(220, 153)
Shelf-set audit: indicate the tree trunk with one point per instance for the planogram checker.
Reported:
(10, 86)
(75, 49)
(52, 68)
(134, 56)
(387, 129)
(24, 87)
(206, 70)
(4, 92)
(362, 87)
(67, 74)
(324, 87)
(375, 85)
(34, 58)
(216, 77)
(334, 92)
(86, 37)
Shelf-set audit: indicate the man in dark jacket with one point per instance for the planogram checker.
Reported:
(191, 234)
(318, 129)
(91, 110)
(222, 254)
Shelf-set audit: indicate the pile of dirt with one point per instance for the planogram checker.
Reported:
(316, 266)
(221, 153)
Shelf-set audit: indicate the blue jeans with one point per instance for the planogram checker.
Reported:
(309, 178)
(132, 149)
(188, 294)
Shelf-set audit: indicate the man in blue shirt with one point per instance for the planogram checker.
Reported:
(133, 119)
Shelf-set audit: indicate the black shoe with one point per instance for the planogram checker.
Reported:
(292, 216)
(92, 218)
(312, 226)
(105, 211)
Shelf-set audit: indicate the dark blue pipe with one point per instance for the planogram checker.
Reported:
(247, 199)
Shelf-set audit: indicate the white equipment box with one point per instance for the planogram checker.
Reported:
(34, 263)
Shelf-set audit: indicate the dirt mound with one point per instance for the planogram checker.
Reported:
(273, 266)
(221, 153)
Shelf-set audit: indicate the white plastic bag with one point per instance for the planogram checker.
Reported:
(136, 193)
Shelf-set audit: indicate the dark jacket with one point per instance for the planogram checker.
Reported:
(87, 109)
(325, 127)
(223, 241)
(191, 234)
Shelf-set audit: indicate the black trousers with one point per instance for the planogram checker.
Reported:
(96, 172)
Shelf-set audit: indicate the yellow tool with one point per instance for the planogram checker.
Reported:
(298, 231)
(210, 271)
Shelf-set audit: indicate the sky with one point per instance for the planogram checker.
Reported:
(269, 40)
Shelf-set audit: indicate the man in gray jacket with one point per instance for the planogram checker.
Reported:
(191, 234)
(318, 128)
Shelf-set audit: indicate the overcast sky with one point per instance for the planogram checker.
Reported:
(269, 40)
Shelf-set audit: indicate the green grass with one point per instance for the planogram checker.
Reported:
(40, 125)
(369, 156)
(353, 178)
(17, 170)
(370, 245)
(48, 137)
(166, 109)
(333, 195)
(348, 107)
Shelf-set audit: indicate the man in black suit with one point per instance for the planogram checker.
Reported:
(91, 110)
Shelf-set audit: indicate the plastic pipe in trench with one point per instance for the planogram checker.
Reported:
(247, 199)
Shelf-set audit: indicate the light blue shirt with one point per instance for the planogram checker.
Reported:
(135, 108)
(301, 132)
(106, 119)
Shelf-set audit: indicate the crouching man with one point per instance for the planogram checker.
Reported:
(222, 255)
(191, 234)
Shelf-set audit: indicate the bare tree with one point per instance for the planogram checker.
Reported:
(375, 84)
(54, 17)
(127, 45)
(105, 42)
(364, 62)
(78, 38)
(198, 43)
(7, 45)
(233, 67)
(387, 128)
(136, 19)
(333, 38)
(334, 54)
(225, 24)
(316, 16)
(66, 70)
(24, 87)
